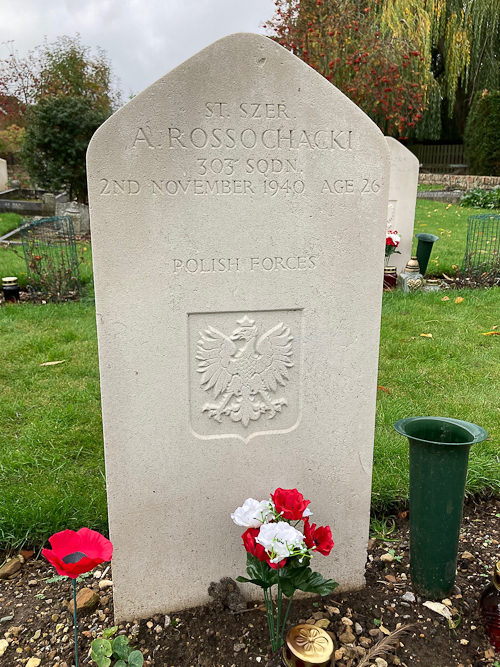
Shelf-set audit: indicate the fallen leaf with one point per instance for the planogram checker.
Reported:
(391, 578)
(459, 299)
(438, 608)
(495, 327)
(404, 514)
(445, 298)
(53, 363)
(492, 333)
(386, 390)
(426, 335)
(447, 277)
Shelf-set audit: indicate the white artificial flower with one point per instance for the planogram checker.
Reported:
(253, 513)
(395, 237)
(280, 540)
(307, 512)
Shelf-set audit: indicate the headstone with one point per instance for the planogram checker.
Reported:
(79, 214)
(403, 188)
(72, 210)
(232, 203)
(48, 204)
(4, 178)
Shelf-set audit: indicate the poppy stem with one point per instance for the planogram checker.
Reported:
(75, 622)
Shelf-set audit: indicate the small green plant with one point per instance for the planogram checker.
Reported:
(381, 529)
(453, 625)
(396, 558)
(105, 649)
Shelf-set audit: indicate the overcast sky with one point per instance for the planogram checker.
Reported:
(144, 39)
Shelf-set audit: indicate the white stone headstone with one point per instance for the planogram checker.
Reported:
(238, 339)
(403, 188)
(4, 178)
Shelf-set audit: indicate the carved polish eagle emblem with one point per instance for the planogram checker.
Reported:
(244, 370)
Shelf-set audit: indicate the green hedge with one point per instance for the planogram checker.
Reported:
(482, 135)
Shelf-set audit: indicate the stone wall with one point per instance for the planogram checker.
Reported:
(460, 182)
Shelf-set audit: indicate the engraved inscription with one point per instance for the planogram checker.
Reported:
(246, 110)
(121, 187)
(244, 369)
(271, 138)
(194, 265)
(219, 135)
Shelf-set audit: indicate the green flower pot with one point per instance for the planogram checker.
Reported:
(439, 454)
(424, 249)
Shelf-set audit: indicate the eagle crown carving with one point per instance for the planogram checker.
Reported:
(244, 370)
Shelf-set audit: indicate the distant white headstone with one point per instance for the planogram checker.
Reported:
(4, 178)
(238, 340)
(402, 199)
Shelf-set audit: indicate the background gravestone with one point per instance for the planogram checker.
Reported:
(403, 188)
(3, 174)
(231, 202)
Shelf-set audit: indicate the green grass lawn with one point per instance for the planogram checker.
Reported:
(456, 373)
(449, 223)
(8, 222)
(51, 467)
(51, 463)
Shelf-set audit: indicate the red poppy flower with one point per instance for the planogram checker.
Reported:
(290, 503)
(258, 550)
(319, 539)
(76, 553)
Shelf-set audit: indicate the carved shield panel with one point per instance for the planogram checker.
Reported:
(244, 373)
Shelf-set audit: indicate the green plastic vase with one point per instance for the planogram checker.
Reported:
(439, 454)
(424, 249)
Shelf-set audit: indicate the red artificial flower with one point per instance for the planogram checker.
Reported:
(258, 550)
(73, 553)
(290, 503)
(319, 539)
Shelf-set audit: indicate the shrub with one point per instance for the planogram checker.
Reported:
(481, 199)
(482, 138)
(55, 144)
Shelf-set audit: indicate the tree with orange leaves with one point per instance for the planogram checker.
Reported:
(345, 42)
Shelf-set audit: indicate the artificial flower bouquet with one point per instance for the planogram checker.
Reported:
(279, 553)
(392, 241)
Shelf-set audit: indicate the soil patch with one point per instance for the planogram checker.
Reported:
(36, 623)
